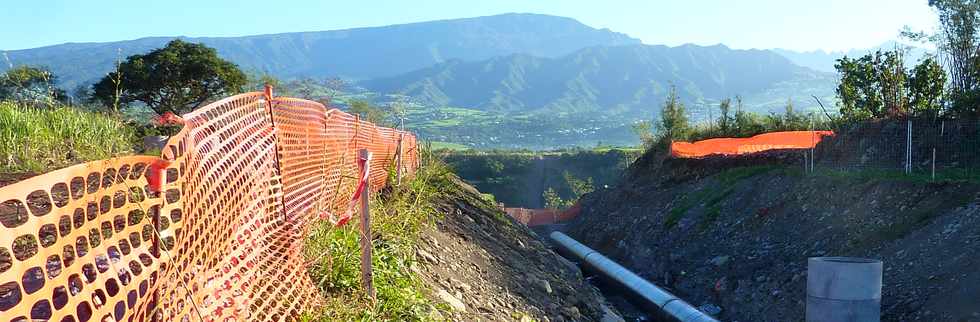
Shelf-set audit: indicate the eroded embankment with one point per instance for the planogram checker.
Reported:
(736, 233)
(499, 270)
(444, 252)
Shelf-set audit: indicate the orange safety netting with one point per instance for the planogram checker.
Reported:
(537, 217)
(211, 231)
(758, 143)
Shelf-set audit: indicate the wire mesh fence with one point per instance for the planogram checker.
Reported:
(932, 147)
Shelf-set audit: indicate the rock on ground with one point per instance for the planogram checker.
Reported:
(488, 267)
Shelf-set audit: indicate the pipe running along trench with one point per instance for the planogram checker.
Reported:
(670, 307)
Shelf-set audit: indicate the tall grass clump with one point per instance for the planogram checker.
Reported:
(36, 140)
(398, 216)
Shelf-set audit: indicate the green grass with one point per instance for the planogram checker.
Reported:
(37, 140)
(397, 219)
(438, 145)
(943, 175)
(630, 149)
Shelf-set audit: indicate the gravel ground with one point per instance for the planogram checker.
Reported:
(488, 267)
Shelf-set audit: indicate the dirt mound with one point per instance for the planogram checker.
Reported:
(736, 234)
(491, 268)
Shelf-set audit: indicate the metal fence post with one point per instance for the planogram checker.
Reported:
(813, 143)
(934, 143)
(367, 276)
(908, 149)
(942, 128)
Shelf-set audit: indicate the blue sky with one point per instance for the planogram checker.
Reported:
(792, 24)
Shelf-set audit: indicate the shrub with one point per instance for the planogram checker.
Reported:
(398, 217)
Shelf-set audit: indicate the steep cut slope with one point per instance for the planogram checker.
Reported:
(735, 233)
(500, 270)
(355, 53)
(609, 79)
(443, 252)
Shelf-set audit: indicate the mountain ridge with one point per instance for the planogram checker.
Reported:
(355, 53)
(602, 78)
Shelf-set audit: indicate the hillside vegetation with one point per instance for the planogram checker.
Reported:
(443, 252)
(606, 80)
(521, 178)
(43, 139)
(505, 81)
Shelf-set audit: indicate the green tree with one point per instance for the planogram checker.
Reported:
(958, 41)
(725, 117)
(878, 85)
(494, 167)
(30, 85)
(673, 123)
(926, 87)
(644, 130)
(399, 111)
(306, 88)
(793, 119)
(745, 123)
(258, 81)
(177, 78)
(368, 112)
(553, 201)
(578, 186)
(858, 88)
(892, 77)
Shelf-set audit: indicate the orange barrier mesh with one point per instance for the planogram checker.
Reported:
(758, 143)
(537, 217)
(213, 231)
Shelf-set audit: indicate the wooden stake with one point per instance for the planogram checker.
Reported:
(398, 162)
(367, 276)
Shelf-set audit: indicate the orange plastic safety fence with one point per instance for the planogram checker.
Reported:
(758, 143)
(538, 217)
(211, 231)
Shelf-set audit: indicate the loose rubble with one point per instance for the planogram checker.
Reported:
(487, 267)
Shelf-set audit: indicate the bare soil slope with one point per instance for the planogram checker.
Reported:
(736, 232)
(491, 268)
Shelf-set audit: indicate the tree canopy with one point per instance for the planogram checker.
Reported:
(958, 42)
(177, 78)
(879, 85)
(673, 123)
(30, 85)
(368, 112)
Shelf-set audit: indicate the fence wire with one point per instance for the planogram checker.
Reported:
(946, 148)
(211, 231)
